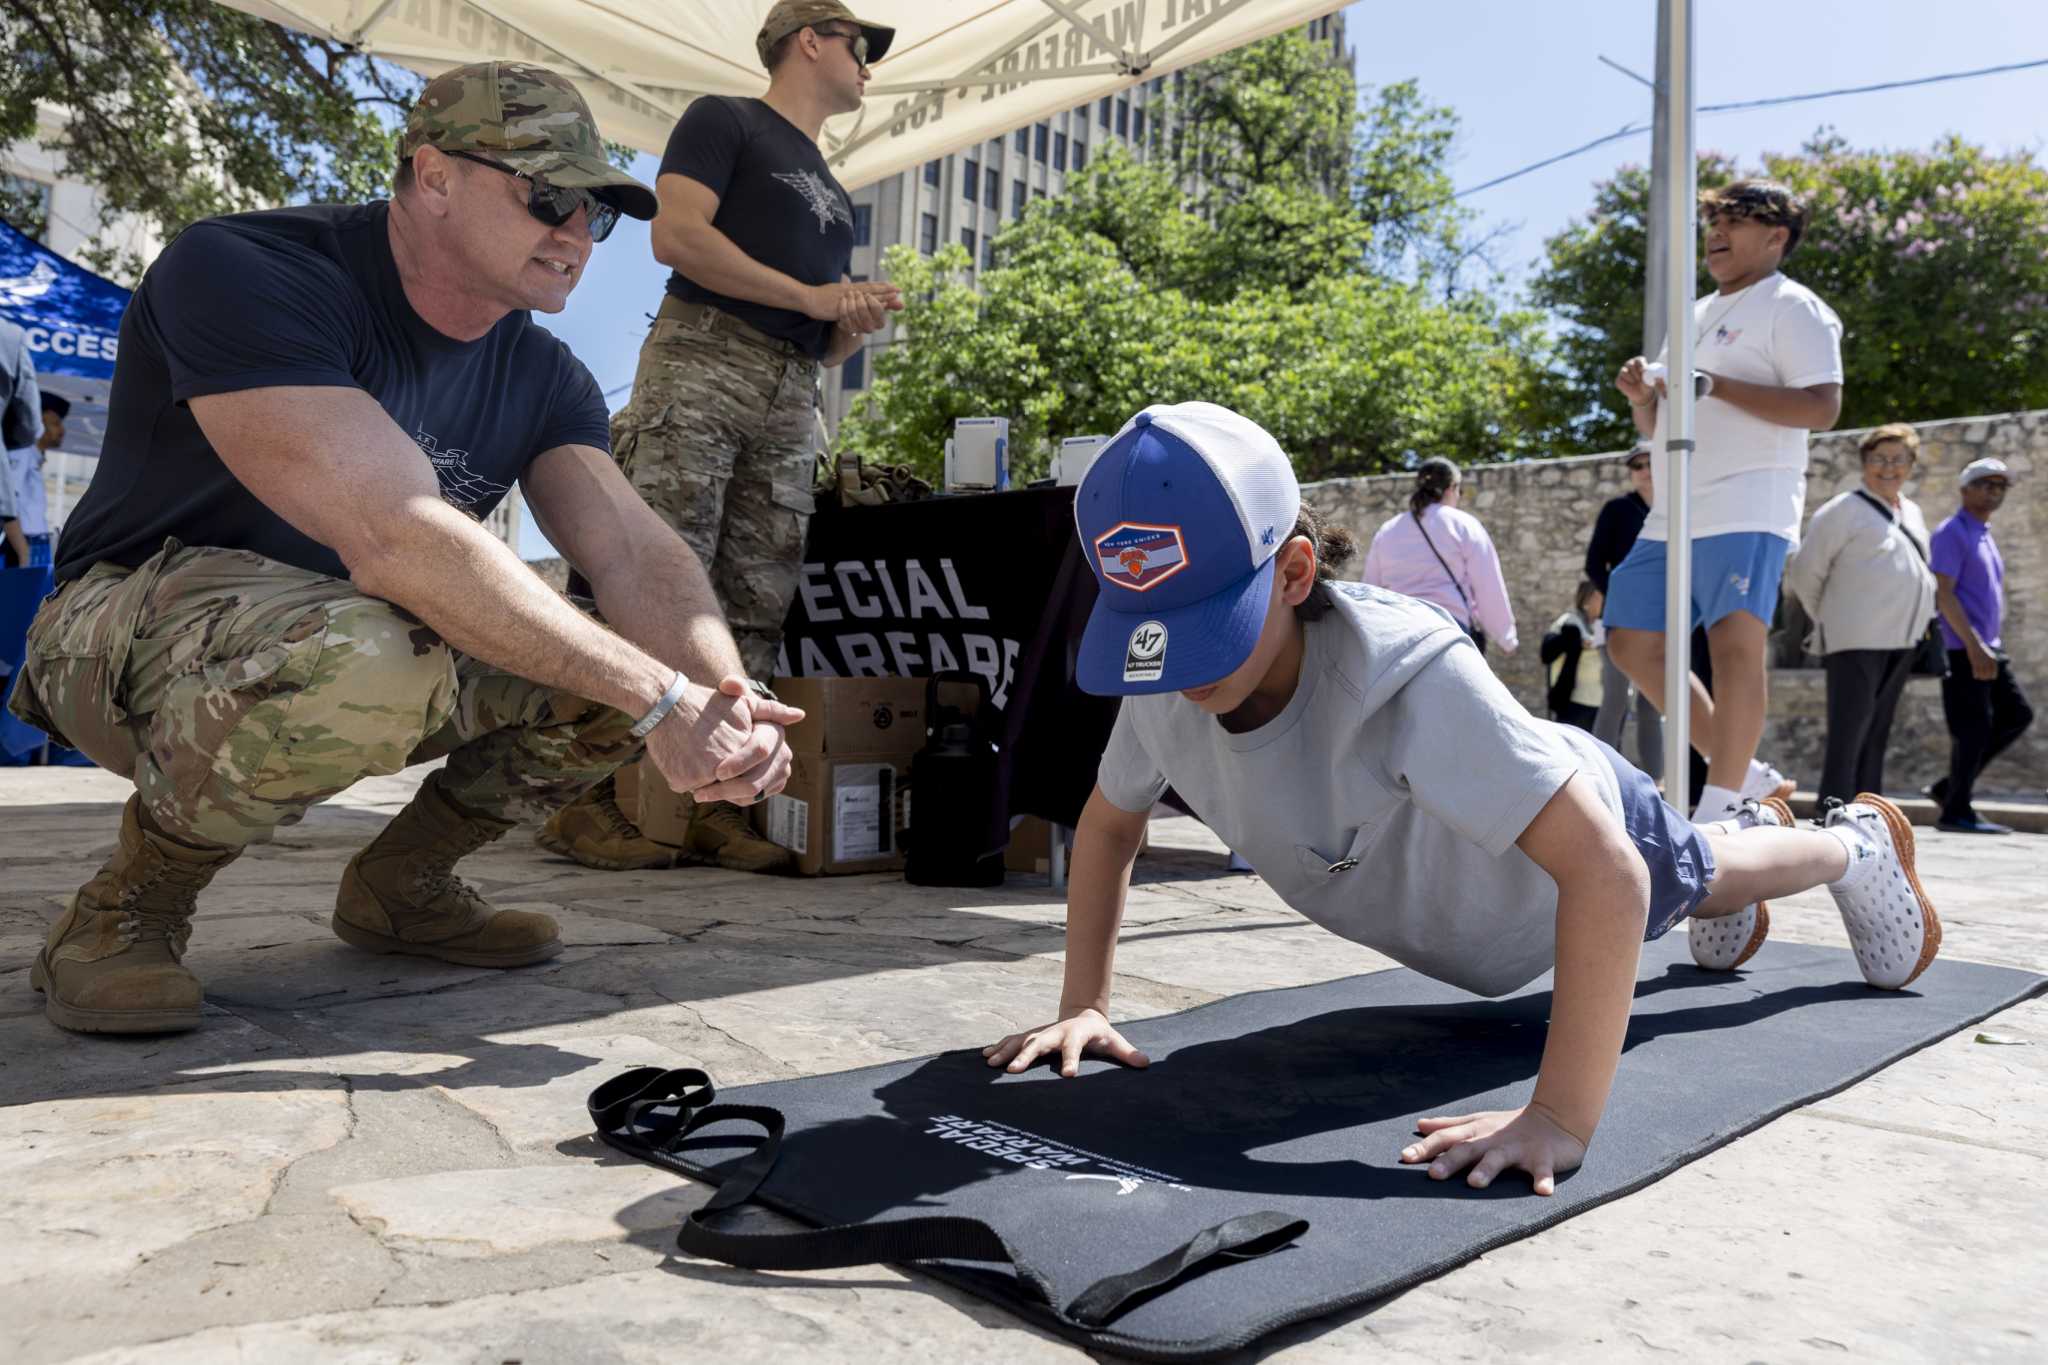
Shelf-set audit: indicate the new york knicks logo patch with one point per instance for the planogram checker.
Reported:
(1145, 655)
(1140, 557)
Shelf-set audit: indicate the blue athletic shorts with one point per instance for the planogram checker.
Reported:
(1736, 572)
(1680, 862)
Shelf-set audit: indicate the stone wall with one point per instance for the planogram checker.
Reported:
(1540, 513)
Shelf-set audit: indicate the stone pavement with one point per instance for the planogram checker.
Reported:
(365, 1158)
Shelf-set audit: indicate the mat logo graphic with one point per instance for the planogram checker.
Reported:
(1037, 1153)
(1140, 557)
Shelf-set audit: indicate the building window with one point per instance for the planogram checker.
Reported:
(1080, 155)
(854, 373)
(1123, 120)
(1102, 110)
(1042, 135)
(970, 180)
(988, 253)
(1017, 199)
(931, 172)
(863, 223)
(1138, 126)
(992, 192)
(928, 234)
(1158, 84)
(1037, 195)
(1022, 141)
(1059, 151)
(25, 203)
(967, 240)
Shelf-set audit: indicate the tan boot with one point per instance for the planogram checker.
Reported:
(596, 833)
(401, 894)
(111, 963)
(719, 830)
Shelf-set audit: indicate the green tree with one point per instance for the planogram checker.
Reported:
(1932, 260)
(1272, 262)
(180, 109)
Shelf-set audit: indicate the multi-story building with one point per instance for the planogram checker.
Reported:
(970, 196)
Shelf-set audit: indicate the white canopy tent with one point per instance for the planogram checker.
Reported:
(961, 71)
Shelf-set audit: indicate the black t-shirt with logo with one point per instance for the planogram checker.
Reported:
(306, 296)
(777, 201)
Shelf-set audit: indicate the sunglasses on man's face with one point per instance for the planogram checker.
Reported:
(1638, 466)
(856, 41)
(556, 204)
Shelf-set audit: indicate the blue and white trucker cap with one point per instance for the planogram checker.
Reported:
(1180, 515)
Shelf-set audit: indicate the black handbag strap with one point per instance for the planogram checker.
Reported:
(648, 1113)
(1894, 519)
(1456, 586)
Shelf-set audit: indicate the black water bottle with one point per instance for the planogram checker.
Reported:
(957, 828)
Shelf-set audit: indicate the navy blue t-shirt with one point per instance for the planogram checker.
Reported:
(306, 297)
(777, 201)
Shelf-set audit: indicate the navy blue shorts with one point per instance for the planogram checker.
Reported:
(1681, 865)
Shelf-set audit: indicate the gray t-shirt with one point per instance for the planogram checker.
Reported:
(1399, 750)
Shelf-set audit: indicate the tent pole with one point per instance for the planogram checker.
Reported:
(1675, 100)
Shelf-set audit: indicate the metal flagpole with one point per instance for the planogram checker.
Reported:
(1681, 174)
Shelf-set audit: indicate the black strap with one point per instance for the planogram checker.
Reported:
(648, 1112)
(1893, 519)
(1457, 587)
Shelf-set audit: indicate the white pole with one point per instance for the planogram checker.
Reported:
(1675, 33)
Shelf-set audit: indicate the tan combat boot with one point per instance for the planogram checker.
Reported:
(596, 833)
(111, 962)
(401, 895)
(719, 831)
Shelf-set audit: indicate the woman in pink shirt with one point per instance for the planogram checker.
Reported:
(1439, 554)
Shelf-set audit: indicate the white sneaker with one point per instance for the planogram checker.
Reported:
(1725, 942)
(1892, 925)
(1765, 783)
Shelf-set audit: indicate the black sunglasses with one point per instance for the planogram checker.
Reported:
(857, 41)
(1641, 462)
(556, 204)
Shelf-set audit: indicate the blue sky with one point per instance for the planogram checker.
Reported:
(1526, 83)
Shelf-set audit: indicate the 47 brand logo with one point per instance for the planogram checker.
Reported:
(1145, 655)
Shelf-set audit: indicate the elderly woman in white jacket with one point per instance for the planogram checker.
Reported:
(1862, 575)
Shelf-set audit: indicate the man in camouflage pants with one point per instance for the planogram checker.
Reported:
(718, 437)
(277, 582)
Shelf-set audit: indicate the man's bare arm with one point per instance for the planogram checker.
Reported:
(332, 463)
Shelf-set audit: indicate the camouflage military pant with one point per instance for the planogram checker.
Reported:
(719, 440)
(238, 692)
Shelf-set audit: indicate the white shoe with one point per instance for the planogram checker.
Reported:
(1765, 783)
(1725, 942)
(1892, 925)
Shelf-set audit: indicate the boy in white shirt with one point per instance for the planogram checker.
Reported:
(1354, 746)
(1768, 355)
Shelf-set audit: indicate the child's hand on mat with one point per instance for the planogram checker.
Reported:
(1083, 1032)
(1491, 1142)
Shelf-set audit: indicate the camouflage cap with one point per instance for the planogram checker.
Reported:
(528, 117)
(790, 15)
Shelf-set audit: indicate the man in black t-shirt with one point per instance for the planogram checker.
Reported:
(718, 437)
(277, 583)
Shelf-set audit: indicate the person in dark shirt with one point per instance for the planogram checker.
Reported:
(1614, 535)
(277, 583)
(719, 436)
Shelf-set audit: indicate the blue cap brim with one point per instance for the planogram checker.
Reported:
(1206, 641)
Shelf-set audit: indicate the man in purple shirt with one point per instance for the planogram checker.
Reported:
(1985, 708)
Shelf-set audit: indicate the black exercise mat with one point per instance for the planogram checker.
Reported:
(1249, 1178)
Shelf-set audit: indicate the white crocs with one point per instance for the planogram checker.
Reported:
(1892, 925)
(1725, 942)
(1765, 783)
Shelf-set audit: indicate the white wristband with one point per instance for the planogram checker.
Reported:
(660, 709)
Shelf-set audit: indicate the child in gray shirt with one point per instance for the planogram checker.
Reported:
(1353, 746)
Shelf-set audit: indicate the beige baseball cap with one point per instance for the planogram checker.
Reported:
(790, 15)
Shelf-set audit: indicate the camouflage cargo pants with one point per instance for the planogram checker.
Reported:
(719, 440)
(238, 692)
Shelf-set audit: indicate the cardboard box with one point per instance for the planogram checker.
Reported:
(841, 812)
(855, 715)
(1030, 848)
